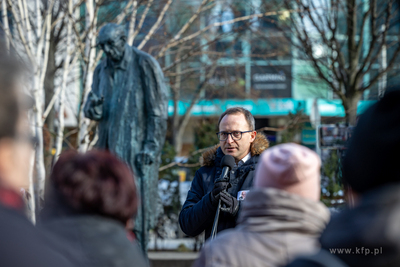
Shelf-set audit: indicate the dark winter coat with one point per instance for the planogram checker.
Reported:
(197, 214)
(23, 245)
(369, 232)
(102, 242)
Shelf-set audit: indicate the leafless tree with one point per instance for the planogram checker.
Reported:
(345, 41)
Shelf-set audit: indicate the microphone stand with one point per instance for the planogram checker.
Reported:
(215, 224)
(216, 218)
(227, 164)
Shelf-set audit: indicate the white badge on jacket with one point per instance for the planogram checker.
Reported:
(242, 194)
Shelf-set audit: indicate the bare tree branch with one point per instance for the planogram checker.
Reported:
(184, 27)
(197, 95)
(218, 24)
(142, 18)
(389, 67)
(156, 25)
(9, 39)
(58, 90)
(121, 16)
(46, 27)
(132, 23)
(6, 28)
(351, 36)
(66, 14)
(378, 39)
(80, 44)
(21, 31)
(173, 164)
(192, 52)
(25, 17)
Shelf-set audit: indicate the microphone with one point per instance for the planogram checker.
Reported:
(227, 164)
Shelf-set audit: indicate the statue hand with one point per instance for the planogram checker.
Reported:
(98, 105)
(96, 101)
(95, 108)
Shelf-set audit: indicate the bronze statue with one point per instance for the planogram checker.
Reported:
(129, 100)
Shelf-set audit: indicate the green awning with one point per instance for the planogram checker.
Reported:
(266, 107)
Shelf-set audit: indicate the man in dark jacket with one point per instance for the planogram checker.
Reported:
(368, 234)
(21, 244)
(239, 139)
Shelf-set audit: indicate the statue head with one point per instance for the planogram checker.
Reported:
(112, 39)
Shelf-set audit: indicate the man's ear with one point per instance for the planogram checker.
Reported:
(253, 135)
(123, 38)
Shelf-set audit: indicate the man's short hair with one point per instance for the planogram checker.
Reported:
(10, 72)
(95, 183)
(235, 110)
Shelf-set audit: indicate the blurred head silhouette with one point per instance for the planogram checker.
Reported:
(15, 141)
(96, 183)
(371, 159)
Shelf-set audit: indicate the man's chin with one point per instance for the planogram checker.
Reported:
(230, 152)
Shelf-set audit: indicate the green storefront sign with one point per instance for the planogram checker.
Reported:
(266, 107)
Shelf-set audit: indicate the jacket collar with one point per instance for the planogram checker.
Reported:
(243, 160)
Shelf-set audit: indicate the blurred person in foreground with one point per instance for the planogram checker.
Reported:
(90, 201)
(282, 216)
(239, 139)
(21, 244)
(367, 234)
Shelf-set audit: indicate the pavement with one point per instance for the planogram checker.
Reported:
(170, 244)
(167, 255)
(172, 259)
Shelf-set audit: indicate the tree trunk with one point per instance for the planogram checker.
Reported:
(38, 90)
(91, 21)
(177, 139)
(49, 92)
(177, 135)
(350, 107)
(176, 125)
(32, 200)
(60, 130)
(6, 29)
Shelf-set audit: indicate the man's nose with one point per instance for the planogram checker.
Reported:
(229, 139)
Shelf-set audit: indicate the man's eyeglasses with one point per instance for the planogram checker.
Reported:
(236, 135)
